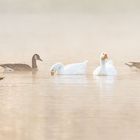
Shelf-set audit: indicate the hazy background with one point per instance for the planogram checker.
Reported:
(89, 6)
(69, 30)
(41, 107)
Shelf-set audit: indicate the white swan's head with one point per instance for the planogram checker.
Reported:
(104, 56)
(56, 68)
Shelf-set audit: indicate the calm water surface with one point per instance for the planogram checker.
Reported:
(40, 107)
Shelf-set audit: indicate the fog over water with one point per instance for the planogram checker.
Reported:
(38, 106)
(53, 27)
(55, 36)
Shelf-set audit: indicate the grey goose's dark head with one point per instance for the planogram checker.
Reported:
(37, 57)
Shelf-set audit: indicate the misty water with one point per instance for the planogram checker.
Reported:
(40, 107)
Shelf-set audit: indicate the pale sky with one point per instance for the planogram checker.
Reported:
(53, 27)
(88, 6)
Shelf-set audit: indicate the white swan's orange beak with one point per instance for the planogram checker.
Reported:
(52, 73)
(105, 56)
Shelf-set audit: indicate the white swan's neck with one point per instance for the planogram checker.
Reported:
(102, 63)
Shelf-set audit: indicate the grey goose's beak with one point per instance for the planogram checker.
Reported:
(40, 59)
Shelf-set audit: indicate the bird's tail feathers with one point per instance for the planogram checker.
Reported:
(130, 64)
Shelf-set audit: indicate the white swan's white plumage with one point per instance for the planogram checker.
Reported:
(70, 69)
(106, 67)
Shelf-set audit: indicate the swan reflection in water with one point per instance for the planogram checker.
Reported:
(105, 82)
(70, 79)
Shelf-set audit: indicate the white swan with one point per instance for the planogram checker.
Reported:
(106, 67)
(70, 69)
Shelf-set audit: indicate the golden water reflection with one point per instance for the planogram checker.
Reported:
(69, 107)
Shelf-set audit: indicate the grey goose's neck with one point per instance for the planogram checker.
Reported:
(34, 64)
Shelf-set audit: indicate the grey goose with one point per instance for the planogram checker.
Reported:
(22, 67)
(133, 64)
